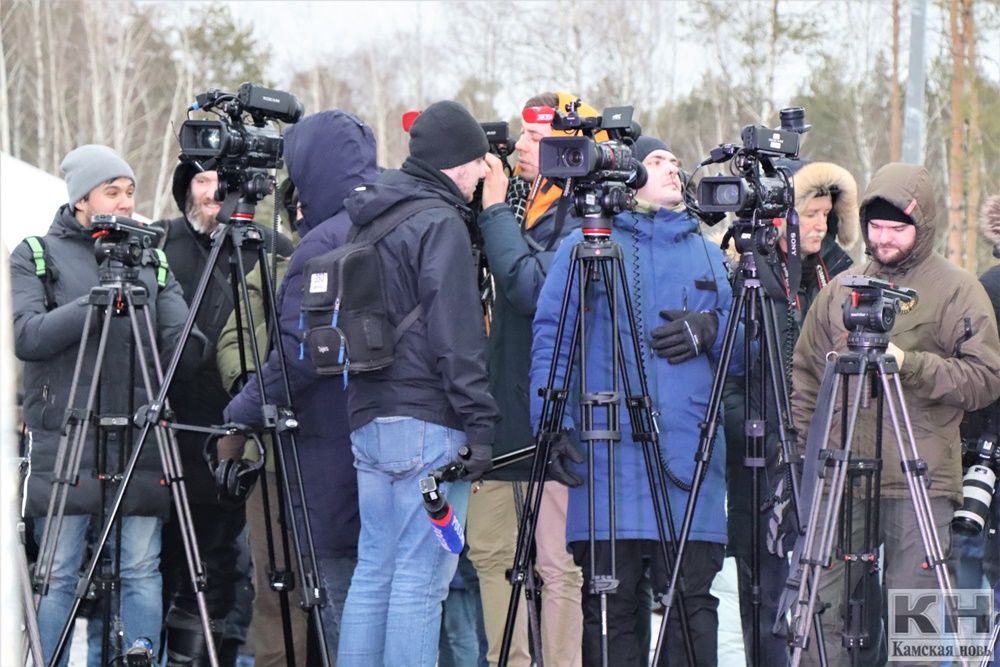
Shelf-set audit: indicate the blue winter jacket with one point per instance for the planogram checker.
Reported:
(676, 269)
(329, 154)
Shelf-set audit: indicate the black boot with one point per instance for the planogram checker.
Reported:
(186, 643)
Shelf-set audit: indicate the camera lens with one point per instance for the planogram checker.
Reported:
(573, 157)
(727, 194)
(977, 492)
(210, 137)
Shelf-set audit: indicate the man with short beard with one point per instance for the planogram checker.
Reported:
(900, 226)
(199, 400)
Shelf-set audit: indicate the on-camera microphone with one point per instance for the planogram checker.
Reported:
(443, 520)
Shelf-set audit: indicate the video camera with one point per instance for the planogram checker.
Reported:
(873, 304)
(602, 175)
(122, 239)
(757, 190)
(241, 153)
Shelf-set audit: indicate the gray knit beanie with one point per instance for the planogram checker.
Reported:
(88, 166)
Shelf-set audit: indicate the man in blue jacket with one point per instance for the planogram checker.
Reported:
(329, 154)
(681, 297)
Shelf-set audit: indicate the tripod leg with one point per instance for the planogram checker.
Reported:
(313, 592)
(170, 461)
(30, 614)
(915, 471)
(646, 432)
(818, 541)
(550, 422)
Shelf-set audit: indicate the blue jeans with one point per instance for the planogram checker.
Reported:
(141, 594)
(393, 610)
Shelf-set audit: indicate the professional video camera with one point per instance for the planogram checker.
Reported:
(121, 239)
(758, 189)
(602, 176)
(242, 154)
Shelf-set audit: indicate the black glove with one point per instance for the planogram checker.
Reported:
(687, 335)
(476, 459)
(561, 449)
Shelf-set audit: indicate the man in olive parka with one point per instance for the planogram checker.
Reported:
(900, 225)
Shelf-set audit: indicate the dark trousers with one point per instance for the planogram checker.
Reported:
(218, 533)
(640, 570)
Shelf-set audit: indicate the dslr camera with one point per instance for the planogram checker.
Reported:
(240, 145)
(981, 457)
(602, 176)
(757, 190)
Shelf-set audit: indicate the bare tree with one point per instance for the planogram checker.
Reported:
(956, 149)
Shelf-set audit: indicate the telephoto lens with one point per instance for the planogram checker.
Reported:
(977, 490)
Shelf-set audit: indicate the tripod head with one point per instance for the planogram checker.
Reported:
(870, 310)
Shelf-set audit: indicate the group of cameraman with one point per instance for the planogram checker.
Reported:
(464, 387)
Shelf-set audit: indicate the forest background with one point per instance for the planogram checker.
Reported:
(123, 73)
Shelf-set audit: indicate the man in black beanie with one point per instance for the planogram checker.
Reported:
(414, 415)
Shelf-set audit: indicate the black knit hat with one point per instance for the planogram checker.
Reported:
(881, 209)
(446, 135)
(645, 145)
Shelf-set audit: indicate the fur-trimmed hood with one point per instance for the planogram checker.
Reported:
(822, 178)
(989, 221)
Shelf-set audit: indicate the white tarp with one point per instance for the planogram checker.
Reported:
(29, 198)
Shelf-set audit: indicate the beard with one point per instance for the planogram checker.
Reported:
(203, 223)
(889, 255)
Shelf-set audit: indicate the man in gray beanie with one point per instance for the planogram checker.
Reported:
(51, 281)
(414, 415)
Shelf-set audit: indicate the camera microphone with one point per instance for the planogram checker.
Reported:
(443, 520)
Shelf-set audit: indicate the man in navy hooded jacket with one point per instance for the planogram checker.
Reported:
(681, 299)
(329, 154)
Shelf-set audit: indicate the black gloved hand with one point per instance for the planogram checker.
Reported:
(477, 460)
(556, 469)
(687, 335)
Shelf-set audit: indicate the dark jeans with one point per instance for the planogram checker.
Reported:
(640, 568)
(218, 533)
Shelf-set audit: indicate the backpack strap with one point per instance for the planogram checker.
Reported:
(43, 268)
(384, 224)
(393, 217)
(162, 267)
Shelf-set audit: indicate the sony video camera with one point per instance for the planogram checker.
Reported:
(121, 239)
(602, 175)
(239, 145)
(757, 189)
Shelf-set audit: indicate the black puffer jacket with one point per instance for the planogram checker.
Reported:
(439, 373)
(200, 398)
(48, 343)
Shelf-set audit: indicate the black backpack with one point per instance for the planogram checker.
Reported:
(344, 313)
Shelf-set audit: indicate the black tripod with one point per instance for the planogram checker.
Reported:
(120, 294)
(596, 258)
(876, 373)
(753, 300)
(237, 213)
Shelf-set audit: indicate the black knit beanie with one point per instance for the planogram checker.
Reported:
(881, 209)
(645, 145)
(446, 135)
